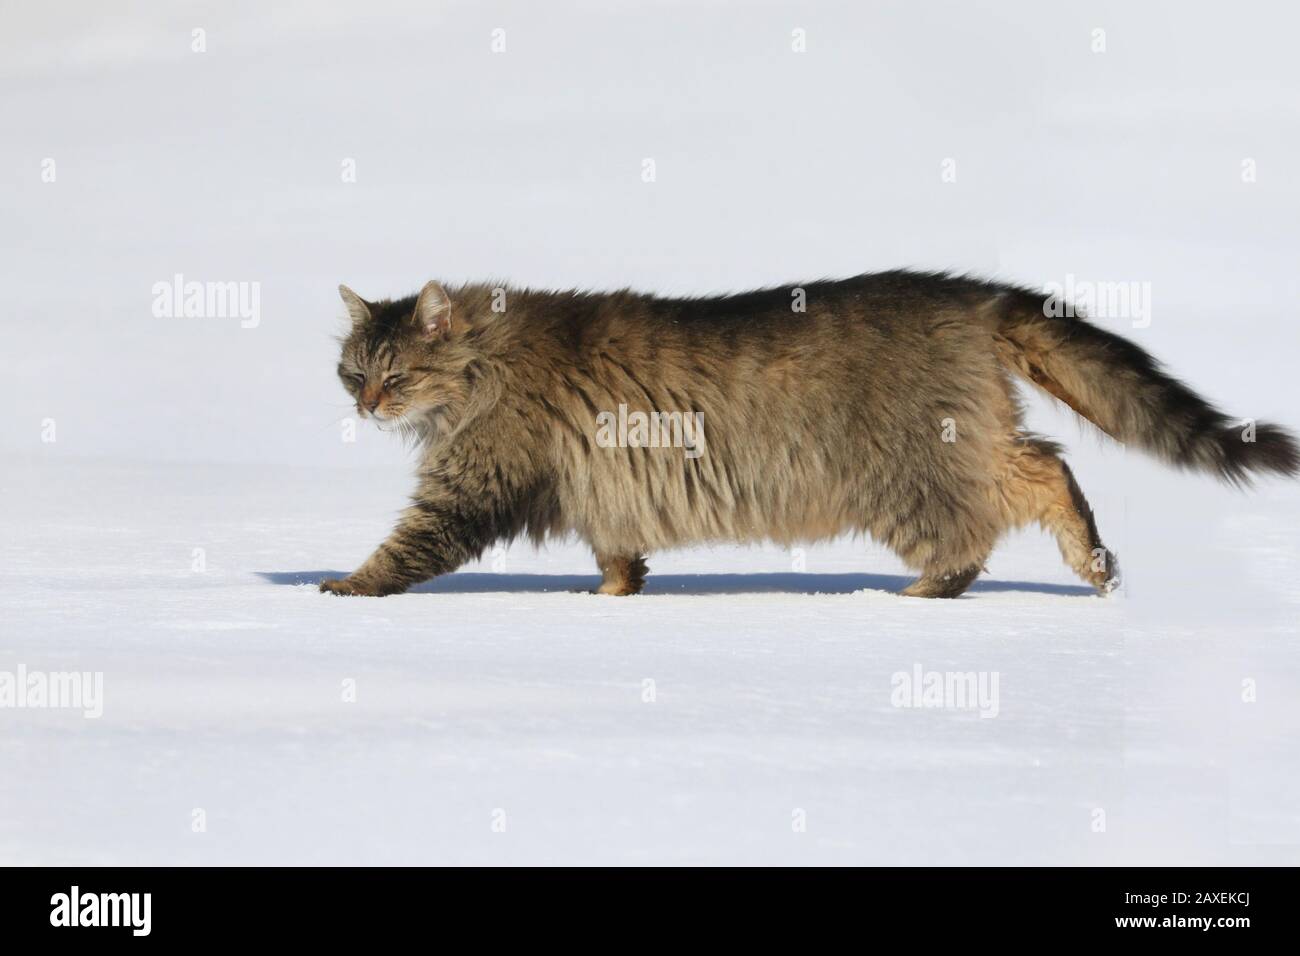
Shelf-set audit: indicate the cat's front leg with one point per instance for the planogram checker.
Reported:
(353, 585)
(387, 571)
(433, 537)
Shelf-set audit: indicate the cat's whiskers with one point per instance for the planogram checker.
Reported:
(401, 425)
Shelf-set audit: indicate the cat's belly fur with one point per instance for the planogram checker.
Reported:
(845, 434)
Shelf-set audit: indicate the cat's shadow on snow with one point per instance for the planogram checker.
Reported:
(476, 582)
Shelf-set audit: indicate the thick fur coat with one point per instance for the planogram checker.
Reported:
(882, 404)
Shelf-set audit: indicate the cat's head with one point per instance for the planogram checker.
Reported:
(407, 362)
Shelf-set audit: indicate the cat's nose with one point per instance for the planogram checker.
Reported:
(371, 403)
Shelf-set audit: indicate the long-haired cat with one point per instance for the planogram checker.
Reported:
(640, 423)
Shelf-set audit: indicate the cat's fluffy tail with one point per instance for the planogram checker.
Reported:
(1124, 391)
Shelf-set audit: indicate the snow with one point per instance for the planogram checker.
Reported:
(501, 716)
(504, 688)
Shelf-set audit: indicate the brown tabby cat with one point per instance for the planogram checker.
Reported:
(886, 407)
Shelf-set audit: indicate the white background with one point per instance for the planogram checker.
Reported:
(500, 689)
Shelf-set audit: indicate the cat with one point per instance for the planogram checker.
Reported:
(882, 404)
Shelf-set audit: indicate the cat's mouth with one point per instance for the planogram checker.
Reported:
(411, 422)
(408, 412)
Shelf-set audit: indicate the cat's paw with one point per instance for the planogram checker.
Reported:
(346, 586)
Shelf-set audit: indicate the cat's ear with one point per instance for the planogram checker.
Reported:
(358, 308)
(433, 310)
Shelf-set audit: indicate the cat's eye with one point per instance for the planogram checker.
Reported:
(391, 381)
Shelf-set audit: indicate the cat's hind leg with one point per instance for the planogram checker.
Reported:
(621, 574)
(943, 584)
(1038, 486)
(949, 545)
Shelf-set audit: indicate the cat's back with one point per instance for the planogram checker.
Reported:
(881, 300)
(871, 298)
